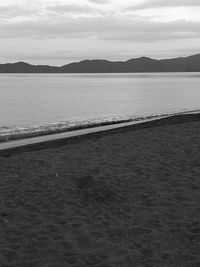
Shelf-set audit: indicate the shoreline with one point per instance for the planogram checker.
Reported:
(63, 137)
(63, 127)
(57, 128)
(79, 126)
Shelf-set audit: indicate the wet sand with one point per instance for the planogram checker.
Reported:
(128, 197)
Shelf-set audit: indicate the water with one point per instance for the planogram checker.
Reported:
(35, 103)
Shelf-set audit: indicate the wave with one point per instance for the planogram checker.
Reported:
(16, 133)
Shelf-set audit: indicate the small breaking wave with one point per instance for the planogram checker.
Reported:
(16, 133)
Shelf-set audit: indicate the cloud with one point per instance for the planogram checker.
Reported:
(31, 12)
(69, 30)
(100, 1)
(13, 11)
(166, 3)
(70, 9)
(145, 31)
(102, 28)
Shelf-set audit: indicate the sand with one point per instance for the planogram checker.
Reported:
(130, 197)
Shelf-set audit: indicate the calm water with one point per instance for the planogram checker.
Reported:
(32, 101)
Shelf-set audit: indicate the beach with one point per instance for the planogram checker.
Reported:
(127, 197)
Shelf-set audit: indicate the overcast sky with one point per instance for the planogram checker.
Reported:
(57, 32)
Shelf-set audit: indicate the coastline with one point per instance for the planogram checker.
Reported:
(124, 197)
(56, 138)
(10, 134)
(57, 128)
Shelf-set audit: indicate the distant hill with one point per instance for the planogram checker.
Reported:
(142, 64)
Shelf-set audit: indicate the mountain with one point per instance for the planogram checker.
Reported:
(142, 64)
(23, 67)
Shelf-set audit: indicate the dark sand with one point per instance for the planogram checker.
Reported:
(130, 197)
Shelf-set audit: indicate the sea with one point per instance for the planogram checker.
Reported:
(38, 104)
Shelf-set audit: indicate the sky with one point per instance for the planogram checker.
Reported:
(57, 32)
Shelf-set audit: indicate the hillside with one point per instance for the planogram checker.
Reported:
(142, 64)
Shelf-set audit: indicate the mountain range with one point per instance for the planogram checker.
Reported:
(141, 64)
